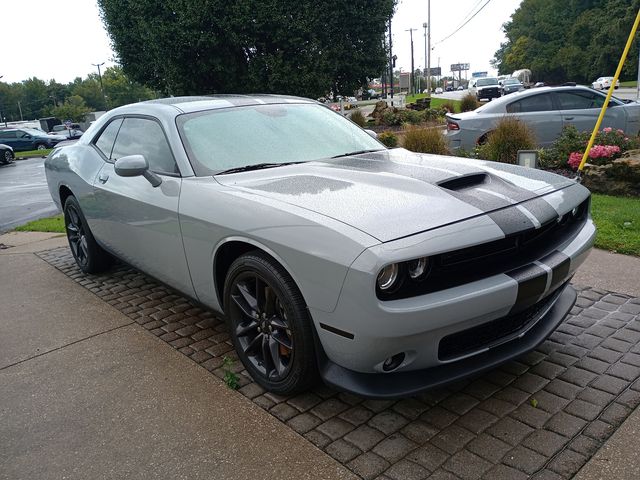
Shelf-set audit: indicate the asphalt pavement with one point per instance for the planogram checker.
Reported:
(24, 195)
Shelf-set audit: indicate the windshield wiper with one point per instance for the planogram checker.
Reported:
(358, 152)
(255, 166)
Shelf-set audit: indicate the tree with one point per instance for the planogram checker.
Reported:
(569, 40)
(209, 46)
(121, 90)
(73, 109)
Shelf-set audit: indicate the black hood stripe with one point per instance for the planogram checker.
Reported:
(511, 220)
(536, 280)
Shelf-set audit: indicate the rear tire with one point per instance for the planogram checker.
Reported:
(41, 146)
(269, 324)
(89, 256)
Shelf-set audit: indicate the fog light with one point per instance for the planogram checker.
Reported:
(394, 362)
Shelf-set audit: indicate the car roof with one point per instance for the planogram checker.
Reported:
(211, 102)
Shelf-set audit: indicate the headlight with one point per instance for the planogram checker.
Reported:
(388, 277)
(418, 268)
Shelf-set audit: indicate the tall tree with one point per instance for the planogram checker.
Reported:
(207, 46)
(569, 40)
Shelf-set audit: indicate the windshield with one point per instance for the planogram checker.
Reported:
(218, 140)
(511, 81)
(483, 82)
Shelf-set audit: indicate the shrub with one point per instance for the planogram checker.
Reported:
(358, 118)
(448, 106)
(503, 143)
(389, 139)
(468, 103)
(426, 140)
(609, 144)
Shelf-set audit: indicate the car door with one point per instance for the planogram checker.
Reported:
(540, 114)
(581, 108)
(133, 219)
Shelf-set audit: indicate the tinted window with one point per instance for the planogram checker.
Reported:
(579, 100)
(107, 137)
(139, 136)
(536, 103)
(5, 134)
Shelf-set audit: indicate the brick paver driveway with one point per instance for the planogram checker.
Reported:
(542, 416)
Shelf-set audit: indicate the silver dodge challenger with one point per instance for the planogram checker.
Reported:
(382, 271)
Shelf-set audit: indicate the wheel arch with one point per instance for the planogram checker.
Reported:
(228, 250)
(64, 192)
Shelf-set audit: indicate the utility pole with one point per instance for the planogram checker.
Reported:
(424, 25)
(104, 98)
(412, 80)
(2, 117)
(429, 46)
(391, 62)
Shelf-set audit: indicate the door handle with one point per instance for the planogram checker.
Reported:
(568, 118)
(103, 177)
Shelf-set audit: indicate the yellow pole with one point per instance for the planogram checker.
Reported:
(610, 92)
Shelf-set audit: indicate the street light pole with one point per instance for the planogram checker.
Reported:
(104, 98)
(424, 25)
(412, 81)
(429, 46)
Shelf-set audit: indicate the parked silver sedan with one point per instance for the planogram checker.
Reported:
(386, 272)
(546, 111)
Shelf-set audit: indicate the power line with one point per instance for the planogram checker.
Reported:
(465, 23)
(471, 11)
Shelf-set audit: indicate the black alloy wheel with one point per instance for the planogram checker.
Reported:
(269, 324)
(89, 256)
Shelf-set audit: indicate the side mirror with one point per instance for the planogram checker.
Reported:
(371, 133)
(135, 166)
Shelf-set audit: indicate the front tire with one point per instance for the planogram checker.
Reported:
(89, 256)
(7, 157)
(269, 324)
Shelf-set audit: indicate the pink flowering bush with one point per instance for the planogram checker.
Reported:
(597, 152)
(568, 148)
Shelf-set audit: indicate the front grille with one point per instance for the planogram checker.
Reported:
(477, 338)
(457, 267)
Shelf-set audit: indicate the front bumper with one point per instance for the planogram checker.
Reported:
(403, 384)
(363, 331)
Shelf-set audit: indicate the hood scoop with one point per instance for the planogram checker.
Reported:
(465, 181)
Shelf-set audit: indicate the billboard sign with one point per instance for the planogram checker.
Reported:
(479, 74)
(459, 67)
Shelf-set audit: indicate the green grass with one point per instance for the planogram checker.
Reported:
(33, 153)
(618, 222)
(51, 224)
(435, 102)
(630, 84)
(617, 219)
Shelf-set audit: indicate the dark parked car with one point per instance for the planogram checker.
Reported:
(22, 139)
(6, 154)
(511, 85)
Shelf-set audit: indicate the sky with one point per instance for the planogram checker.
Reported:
(65, 38)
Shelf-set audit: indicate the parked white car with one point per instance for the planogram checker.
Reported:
(603, 83)
(439, 90)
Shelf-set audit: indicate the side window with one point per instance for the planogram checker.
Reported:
(9, 134)
(140, 136)
(104, 143)
(536, 103)
(579, 100)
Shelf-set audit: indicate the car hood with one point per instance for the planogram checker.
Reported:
(396, 193)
